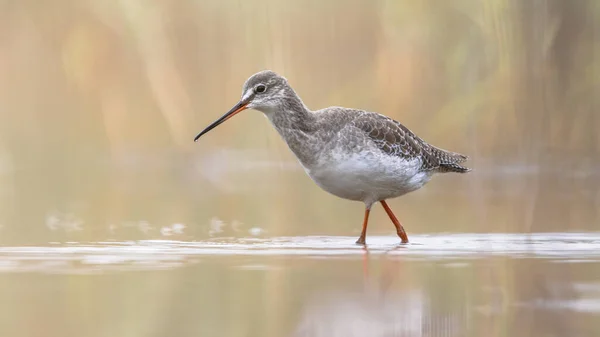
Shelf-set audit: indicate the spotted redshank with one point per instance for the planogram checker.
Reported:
(353, 154)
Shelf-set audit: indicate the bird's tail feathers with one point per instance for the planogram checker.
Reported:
(449, 161)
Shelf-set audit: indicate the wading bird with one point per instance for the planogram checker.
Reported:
(353, 154)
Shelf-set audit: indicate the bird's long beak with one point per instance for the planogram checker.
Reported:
(242, 105)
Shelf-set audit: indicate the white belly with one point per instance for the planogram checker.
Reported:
(368, 177)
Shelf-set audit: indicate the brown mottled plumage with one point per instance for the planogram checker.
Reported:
(396, 139)
(350, 153)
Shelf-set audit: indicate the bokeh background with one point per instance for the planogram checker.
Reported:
(100, 101)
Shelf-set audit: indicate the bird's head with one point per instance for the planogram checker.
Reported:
(265, 91)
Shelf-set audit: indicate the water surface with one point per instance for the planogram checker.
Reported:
(438, 285)
(113, 222)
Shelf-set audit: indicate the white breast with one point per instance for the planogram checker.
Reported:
(367, 176)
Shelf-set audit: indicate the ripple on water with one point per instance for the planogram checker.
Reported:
(160, 254)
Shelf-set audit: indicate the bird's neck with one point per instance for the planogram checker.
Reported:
(297, 125)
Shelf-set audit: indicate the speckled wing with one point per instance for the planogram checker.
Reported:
(395, 139)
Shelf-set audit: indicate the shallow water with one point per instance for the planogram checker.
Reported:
(542, 284)
(557, 247)
(113, 222)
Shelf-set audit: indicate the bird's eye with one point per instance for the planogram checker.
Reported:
(260, 88)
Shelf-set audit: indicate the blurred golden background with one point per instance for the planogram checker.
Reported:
(100, 101)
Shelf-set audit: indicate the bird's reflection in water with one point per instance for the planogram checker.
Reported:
(378, 308)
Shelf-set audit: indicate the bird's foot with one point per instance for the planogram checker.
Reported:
(402, 235)
(361, 241)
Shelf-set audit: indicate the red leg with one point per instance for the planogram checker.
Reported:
(363, 234)
(397, 224)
